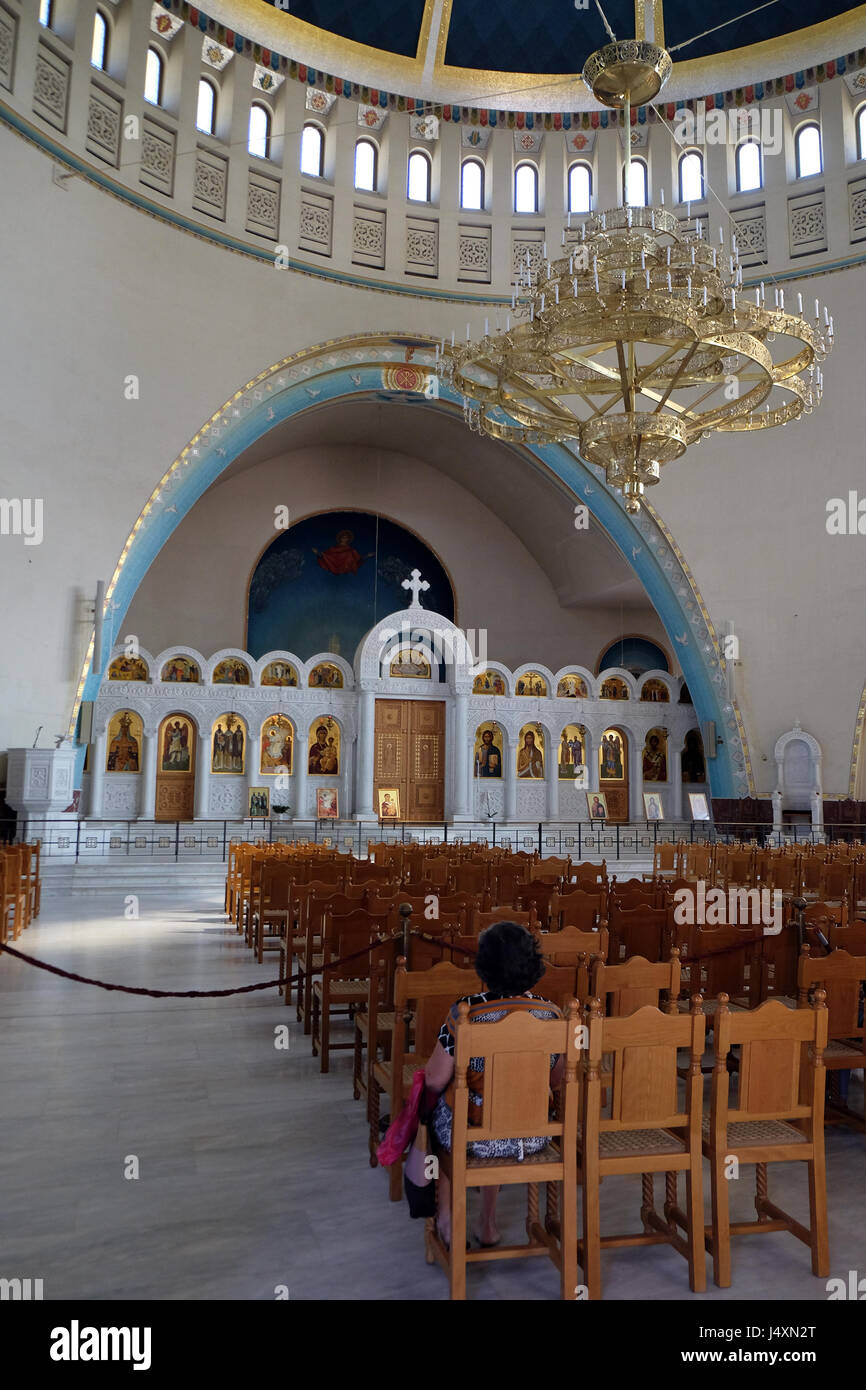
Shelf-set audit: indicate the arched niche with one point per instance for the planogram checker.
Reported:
(798, 777)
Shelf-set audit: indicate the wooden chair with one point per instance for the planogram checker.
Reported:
(479, 921)
(505, 879)
(310, 902)
(470, 878)
(666, 861)
(841, 976)
(568, 947)
(270, 908)
(537, 897)
(342, 989)
(640, 931)
(779, 1118)
(720, 960)
(648, 1131)
(13, 894)
(516, 1055)
(421, 1003)
(623, 989)
(589, 875)
(581, 910)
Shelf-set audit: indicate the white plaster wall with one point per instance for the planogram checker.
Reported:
(195, 592)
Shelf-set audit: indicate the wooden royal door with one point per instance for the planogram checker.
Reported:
(410, 756)
(175, 776)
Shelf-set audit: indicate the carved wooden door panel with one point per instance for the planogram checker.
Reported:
(410, 756)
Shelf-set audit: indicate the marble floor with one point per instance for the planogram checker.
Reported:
(253, 1169)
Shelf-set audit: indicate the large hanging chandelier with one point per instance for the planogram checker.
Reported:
(638, 339)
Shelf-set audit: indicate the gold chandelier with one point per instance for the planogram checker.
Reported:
(638, 340)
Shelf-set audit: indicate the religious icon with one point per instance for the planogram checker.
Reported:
(326, 676)
(572, 755)
(125, 731)
(324, 753)
(611, 760)
(176, 744)
(572, 687)
(412, 664)
(655, 759)
(694, 768)
(530, 683)
(181, 670)
(613, 689)
(652, 804)
(326, 803)
(530, 754)
(259, 803)
(488, 683)
(488, 751)
(596, 804)
(279, 673)
(699, 808)
(342, 557)
(227, 744)
(231, 672)
(276, 755)
(389, 803)
(655, 690)
(127, 668)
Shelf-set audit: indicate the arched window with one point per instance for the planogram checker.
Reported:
(807, 145)
(472, 185)
(635, 192)
(46, 13)
(580, 188)
(418, 177)
(526, 188)
(153, 77)
(861, 133)
(749, 173)
(366, 166)
(205, 115)
(312, 151)
(691, 177)
(259, 133)
(99, 48)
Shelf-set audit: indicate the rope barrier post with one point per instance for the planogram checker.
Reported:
(406, 915)
(799, 906)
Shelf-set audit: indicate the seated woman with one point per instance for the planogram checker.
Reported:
(509, 962)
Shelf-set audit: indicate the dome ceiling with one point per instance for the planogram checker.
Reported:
(507, 53)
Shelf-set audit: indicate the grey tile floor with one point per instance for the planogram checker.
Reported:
(253, 1169)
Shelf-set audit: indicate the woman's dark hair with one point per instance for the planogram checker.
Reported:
(509, 959)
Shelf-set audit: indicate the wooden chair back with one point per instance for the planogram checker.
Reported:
(841, 977)
(516, 1055)
(426, 996)
(777, 1081)
(640, 931)
(642, 1048)
(581, 909)
(623, 989)
(567, 947)
(537, 896)
(479, 921)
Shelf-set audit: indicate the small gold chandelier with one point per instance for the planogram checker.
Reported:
(638, 340)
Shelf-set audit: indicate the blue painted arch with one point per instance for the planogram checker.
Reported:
(390, 366)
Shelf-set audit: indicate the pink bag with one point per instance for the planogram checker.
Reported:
(402, 1130)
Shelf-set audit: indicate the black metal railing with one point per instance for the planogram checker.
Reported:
(83, 841)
